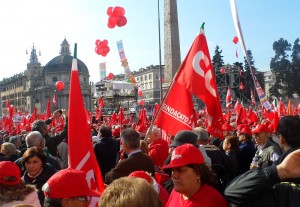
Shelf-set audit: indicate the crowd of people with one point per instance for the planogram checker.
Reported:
(252, 166)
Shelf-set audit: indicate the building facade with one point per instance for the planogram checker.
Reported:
(36, 85)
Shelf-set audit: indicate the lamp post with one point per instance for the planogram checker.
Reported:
(159, 43)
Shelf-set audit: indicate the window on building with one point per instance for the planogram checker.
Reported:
(141, 78)
(54, 79)
(156, 76)
(84, 79)
(145, 77)
(150, 76)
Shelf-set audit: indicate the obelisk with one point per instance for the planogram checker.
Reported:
(171, 41)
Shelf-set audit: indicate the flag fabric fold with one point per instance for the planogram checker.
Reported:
(228, 98)
(81, 152)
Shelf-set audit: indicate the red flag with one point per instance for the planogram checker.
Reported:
(121, 117)
(7, 104)
(101, 103)
(176, 113)
(48, 109)
(281, 109)
(54, 100)
(196, 75)
(237, 106)
(81, 152)
(33, 116)
(228, 98)
(252, 116)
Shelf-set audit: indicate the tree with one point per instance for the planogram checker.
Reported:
(217, 59)
(248, 79)
(296, 66)
(282, 69)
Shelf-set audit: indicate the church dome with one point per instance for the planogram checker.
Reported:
(63, 62)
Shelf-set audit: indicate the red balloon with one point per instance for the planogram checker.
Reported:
(140, 93)
(60, 85)
(142, 102)
(222, 70)
(109, 10)
(122, 20)
(235, 40)
(110, 76)
(112, 21)
(97, 42)
(118, 11)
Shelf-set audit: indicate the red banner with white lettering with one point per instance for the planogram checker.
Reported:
(176, 112)
(196, 75)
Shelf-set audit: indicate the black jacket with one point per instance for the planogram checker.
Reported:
(106, 152)
(262, 187)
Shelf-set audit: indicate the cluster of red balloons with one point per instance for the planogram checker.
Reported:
(59, 85)
(102, 47)
(116, 17)
(110, 76)
(140, 93)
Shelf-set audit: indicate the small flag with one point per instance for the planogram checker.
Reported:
(54, 100)
(228, 98)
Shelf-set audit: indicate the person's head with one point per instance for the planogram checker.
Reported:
(202, 136)
(12, 188)
(8, 149)
(130, 191)
(231, 143)
(104, 131)
(33, 160)
(189, 171)
(16, 140)
(289, 132)
(35, 139)
(130, 139)
(261, 134)
(68, 188)
(245, 134)
(154, 134)
(184, 137)
(144, 146)
(40, 126)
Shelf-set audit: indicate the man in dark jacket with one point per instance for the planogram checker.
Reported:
(106, 150)
(136, 160)
(54, 141)
(267, 186)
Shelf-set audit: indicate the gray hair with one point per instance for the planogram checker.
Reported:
(9, 149)
(33, 139)
(157, 131)
(202, 134)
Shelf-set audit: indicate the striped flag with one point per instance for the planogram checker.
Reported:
(228, 98)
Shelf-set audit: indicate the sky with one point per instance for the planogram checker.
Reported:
(46, 23)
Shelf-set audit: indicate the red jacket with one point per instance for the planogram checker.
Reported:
(159, 151)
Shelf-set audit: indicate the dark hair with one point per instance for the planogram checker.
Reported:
(234, 142)
(53, 202)
(289, 128)
(206, 175)
(131, 138)
(38, 125)
(32, 152)
(105, 131)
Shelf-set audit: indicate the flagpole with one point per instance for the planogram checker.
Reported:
(159, 43)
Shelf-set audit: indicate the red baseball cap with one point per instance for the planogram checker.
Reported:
(227, 127)
(184, 155)
(246, 130)
(141, 174)
(68, 183)
(261, 128)
(7, 170)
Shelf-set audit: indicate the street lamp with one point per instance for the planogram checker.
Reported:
(159, 43)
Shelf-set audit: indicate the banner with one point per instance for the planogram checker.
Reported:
(102, 70)
(124, 62)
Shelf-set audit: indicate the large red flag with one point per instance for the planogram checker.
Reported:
(81, 152)
(196, 74)
(176, 112)
(281, 109)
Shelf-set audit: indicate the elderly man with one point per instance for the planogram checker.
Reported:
(136, 160)
(267, 152)
(35, 139)
(158, 148)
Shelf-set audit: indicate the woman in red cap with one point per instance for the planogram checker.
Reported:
(13, 191)
(192, 180)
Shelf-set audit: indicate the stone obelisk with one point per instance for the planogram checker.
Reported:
(171, 41)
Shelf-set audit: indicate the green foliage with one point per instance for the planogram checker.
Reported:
(217, 59)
